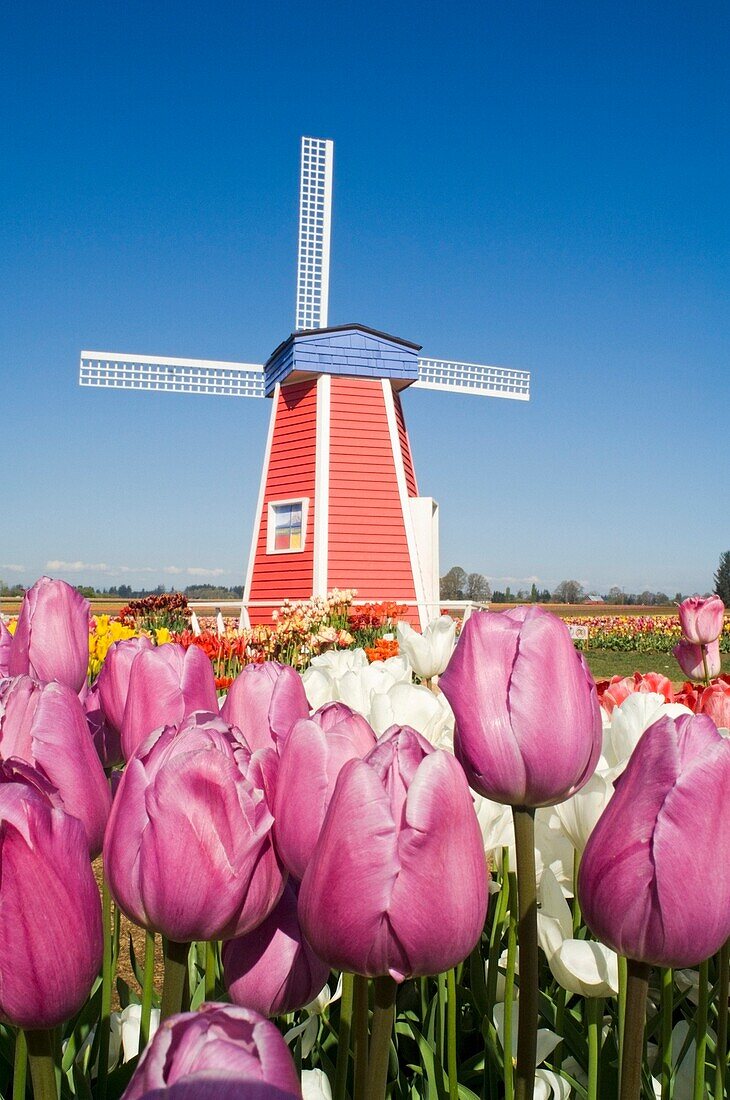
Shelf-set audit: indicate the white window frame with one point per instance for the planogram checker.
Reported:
(271, 524)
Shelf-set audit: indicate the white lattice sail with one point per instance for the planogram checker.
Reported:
(153, 372)
(315, 225)
(473, 378)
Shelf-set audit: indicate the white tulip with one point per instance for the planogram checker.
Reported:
(580, 966)
(628, 721)
(319, 686)
(357, 688)
(308, 1028)
(336, 662)
(315, 1085)
(410, 705)
(578, 815)
(124, 1030)
(429, 652)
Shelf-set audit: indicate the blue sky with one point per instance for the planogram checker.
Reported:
(530, 185)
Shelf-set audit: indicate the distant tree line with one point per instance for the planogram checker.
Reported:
(126, 592)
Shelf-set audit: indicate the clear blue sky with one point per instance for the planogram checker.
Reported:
(543, 186)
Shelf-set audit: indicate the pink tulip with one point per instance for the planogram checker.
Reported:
(701, 619)
(50, 931)
(220, 1052)
(311, 759)
(113, 680)
(6, 639)
(715, 702)
(611, 693)
(166, 684)
(107, 741)
(265, 701)
(689, 659)
(528, 724)
(654, 880)
(188, 849)
(273, 969)
(45, 726)
(51, 640)
(397, 883)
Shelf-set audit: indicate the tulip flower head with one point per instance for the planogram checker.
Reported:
(220, 1052)
(654, 880)
(6, 639)
(113, 680)
(188, 849)
(528, 724)
(701, 619)
(51, 640)
(397, 883)
(50, 929)
(690, 659)
(265, 701)
(428, 653)
(715, 702)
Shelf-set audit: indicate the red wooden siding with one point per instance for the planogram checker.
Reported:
(290, 474)
(367, 540)
(405, 447)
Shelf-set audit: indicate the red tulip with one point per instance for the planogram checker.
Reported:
(528, 725)
(50, 931)
(45, 726)
(715, 702)
(689, 659)
(188, 849)
(273, 969)
(311, 759)
(51, 640)
(701, 619)
(611, 693)
(397, 883)
(265, 701)
(166, 685)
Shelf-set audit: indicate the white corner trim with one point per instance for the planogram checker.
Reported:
(400, 475)
(260, 504)
(322, 487)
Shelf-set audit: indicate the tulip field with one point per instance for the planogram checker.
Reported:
(374, 862)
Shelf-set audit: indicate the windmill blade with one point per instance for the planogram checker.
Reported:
(315, 223)
(154, 372)
(473, 378)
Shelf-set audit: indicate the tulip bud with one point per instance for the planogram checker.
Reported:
(45, 726)
(528, 724)
(397, 883)
(429, 652)
(220, 1052)
(273, 969)
(311, 759)
(265, 701)
(188, 849)
(689, 659)
(113, 680)
(51, 640)
(51, 932)
(654, 880)
(166, 685)
(701, 619)
(6, 639)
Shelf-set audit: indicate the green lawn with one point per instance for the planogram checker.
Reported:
(605, 663)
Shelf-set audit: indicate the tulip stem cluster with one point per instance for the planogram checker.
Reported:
(701, 1033)
(176, 973)
(383, 1016)
(667, 1012)
(637, 987)
(344, 1038)
(147, 990)
(723, 962)
(452, 1059)
(20, 1066)
(42, 1064)
(361, 1037)
(524, 822)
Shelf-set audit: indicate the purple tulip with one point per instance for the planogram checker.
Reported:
(51, 640)
(397, 883)
(113, 680)
(701, 619)
(528, 722)
(166, 684)
(220, 1052)
(45, 726)
(311, 759)
(188, 849)
(50, 931)
(273, 969)
(654, 880)
(6, 639)
(265, 701)
(689, 659)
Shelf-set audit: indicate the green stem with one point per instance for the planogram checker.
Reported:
(622, 986)
(210, 970)
(509, 988)
(560, 999)
(383, 1017)
(667, 1013)
(42, 1064)
(344, 1038)
(441, 990)
(495, 943)
(524, 821)
(360, 1001)
(147, 990)
(594, 1012)
(705, 669)
(106, 989)
(637, 987)
(453, 1064)
(723, 981)
(698, 1091)
(176, 972)
(20, 1066)
(577, 915)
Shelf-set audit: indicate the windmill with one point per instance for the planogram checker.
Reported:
(338, 503)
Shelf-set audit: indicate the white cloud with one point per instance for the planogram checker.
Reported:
(173, 569)
(196, 571)
(521, 581)
(13, 568)
(77, 566)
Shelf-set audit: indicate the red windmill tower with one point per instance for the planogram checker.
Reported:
(338, 503)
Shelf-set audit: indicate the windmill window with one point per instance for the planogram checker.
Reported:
(287, 526)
